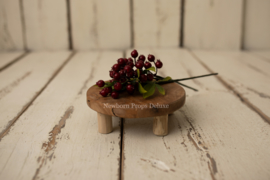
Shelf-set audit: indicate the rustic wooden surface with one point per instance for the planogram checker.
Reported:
(217, 134)
(138, 106)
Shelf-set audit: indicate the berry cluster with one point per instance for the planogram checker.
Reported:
(129, 75)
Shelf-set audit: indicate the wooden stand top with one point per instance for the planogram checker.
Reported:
(134, 106)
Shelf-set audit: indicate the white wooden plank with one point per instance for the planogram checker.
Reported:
(23, 81)
(156, 23)
(46, 24)
(100, 24)
(214, 136)
(246, 74)
(11, 34)
(8, 57)
(257, 25)
(57, 137)
(213, 24)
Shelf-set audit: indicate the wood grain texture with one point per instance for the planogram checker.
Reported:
(136, 106)
(262, 54)
(46, 24)
(214, 136)
(57, 137)
(247, 75)
(100, 24)
(11, 34)
(23, 81)
(8, 57)
(257, 25)
(213, 24)
(156, 23)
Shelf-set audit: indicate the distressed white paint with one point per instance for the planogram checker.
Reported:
(213, 24)
(246, 73)
(80, 151)
(156, 23)
(257, 25)
(8, 57)
(21, 82)
(213, 121)
(100, 24)
(11, 36)
(46, 24)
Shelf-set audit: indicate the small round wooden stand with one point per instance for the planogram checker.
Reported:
(157, 106)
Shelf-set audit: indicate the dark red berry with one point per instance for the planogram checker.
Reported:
(130, 89)
(159, 64)
(143, 78)
(130, 64)
(103, 93)
(128, 68)
(125, 60)
(123, 79)
(111, 80)
(117, 76)
(130, 60)
(115, 95)
(139, 64)
(100, 83)
(130, 74)
(150, 77)
(141, 57)
(121, 61)
(151, 57)
(122, 72)
(117, 86)
(111, 74)
(147, 65)
(116, 67)
(134, 53)
(135, 72)
(108, 90)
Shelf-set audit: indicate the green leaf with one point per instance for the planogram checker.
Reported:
(109, 84)
(151, 90)
(96, 85)
(141, 89)
(166, 78)
(138, 72)
(151, 69)
(160, 89)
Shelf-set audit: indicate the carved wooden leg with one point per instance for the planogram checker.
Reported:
(104, 123)
(160, 125)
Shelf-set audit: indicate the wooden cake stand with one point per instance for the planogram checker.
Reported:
(134, 106)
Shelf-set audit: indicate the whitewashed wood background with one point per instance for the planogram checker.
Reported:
(121, 24)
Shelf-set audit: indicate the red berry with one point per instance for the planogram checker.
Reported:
(130, 89)
(143, 78)
(111, 74)
(115, 95)
(108, 90)
(121, 61)
(139, 64)
(130, 64)
(125, 60)
(100, 83)
(150, 77)
(111, 80)
(123, 79)
(142, 57)
(135, 72)
(117, 86)
(159, 64)
(130, 74)
(127, 68)
(130, 60)
(151, 57)
(147, 65)
(116, 67)
(117, 76)
(103, 93)
(134, 53)
(122, 72)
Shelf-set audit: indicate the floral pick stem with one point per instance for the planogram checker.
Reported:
(187, 86)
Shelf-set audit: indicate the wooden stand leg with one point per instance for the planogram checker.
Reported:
(104, 123)
(160, 125)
